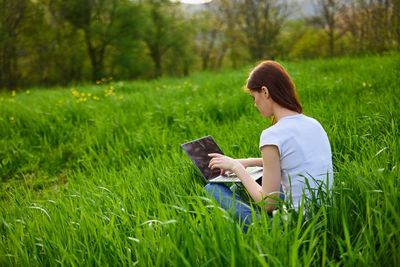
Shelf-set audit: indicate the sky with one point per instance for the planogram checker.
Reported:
(194, 2)
(305, 5)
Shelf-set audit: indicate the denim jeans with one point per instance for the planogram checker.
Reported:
(234, 203)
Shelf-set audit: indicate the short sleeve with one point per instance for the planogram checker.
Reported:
(269, 137)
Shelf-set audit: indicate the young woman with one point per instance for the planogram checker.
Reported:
(294, 149)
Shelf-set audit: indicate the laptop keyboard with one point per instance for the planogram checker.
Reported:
(231, 178)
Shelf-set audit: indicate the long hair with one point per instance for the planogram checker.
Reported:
(280, 87)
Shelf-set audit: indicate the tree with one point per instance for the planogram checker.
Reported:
(395, 21)
(182, 54)
(233, 40)
(220, 35)
(103, 22)
(262, 21)
(328, 12)
(207, 35)
(301, 41)
(373, 24)
(12, 15)
(165, 30)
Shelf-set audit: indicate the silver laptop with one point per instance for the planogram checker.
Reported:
(198, 151)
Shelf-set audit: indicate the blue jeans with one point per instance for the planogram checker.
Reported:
(225, 198)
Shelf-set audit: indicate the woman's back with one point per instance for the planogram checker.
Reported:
(304, 151)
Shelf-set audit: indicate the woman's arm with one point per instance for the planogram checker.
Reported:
(271, 174)
(251, 162)
(247, 163)
(271, 181)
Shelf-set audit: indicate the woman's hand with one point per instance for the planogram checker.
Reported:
(224, 163)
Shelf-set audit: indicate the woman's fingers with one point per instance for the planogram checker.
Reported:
(214, 163)
(215, 160)
(220, 161)
(211, 164)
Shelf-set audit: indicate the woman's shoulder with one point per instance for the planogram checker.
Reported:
(293, 125)
(275, 131)
(297, 120)
(313, 123)
(271, 129)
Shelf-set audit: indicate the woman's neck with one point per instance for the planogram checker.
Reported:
(281, 112)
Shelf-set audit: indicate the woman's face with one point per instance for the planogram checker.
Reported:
(262, 101)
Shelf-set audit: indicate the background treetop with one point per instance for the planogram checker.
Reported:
(53, 42)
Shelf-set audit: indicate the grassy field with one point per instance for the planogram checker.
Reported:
(94, 174)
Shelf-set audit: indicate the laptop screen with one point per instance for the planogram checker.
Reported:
(198, 151)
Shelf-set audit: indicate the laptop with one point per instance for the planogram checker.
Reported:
(198, 151)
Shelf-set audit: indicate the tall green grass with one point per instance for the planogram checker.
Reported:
(105, 181)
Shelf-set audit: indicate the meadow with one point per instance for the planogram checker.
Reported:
(94, 174)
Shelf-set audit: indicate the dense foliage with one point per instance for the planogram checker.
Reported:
(59, 42)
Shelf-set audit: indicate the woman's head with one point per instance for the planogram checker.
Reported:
(272, 76)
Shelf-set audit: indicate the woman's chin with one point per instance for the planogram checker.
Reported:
(267, 115)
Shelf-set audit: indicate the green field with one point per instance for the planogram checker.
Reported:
(94, 174)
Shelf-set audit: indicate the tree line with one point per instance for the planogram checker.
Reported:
(56, 42)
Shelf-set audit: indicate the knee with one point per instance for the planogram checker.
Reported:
(215, 190)
(210, 188)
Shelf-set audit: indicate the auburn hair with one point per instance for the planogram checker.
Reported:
(280, 87)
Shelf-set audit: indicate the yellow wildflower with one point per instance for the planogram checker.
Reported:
(82, 94)
(364, 84)
(12, 118)
(120, 97)
(103, 79)
(89, 94)
(110, 78)
(369, 85)
(178, 86)
(13, 92)
(95, 97)
(98, 82)
(28, 92)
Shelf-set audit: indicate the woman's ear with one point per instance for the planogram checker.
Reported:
(264, 90)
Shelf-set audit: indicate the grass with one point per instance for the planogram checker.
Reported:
(104, 181)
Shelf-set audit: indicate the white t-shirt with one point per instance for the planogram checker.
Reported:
(304, 151)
